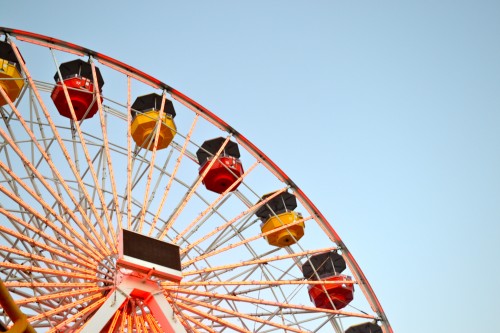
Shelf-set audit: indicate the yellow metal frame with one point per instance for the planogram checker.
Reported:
(10, 307)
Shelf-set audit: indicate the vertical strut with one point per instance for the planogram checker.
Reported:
(151, 295)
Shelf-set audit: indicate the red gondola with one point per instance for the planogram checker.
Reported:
(77, 77)
(225, 170)
(332, 296)
(327, 267)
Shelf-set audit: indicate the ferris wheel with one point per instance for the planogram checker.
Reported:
(126, 206)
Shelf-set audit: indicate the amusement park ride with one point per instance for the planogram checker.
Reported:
(115, 218)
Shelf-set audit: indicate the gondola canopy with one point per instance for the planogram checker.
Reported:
(365, 328)
(322, 265)
(210, 147)
(78, 68)
(281, 203)
(152, 102)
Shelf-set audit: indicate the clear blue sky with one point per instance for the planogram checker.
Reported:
(386, 113)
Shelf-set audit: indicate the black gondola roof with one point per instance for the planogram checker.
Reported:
(7, 53)
(210, 147)
(281, 203)
(324, 264)
(78, 67)
(369, 327)
(152, 102)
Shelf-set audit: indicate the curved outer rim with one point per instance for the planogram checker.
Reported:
(208, 115)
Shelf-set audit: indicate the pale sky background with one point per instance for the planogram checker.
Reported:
(385, 113)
